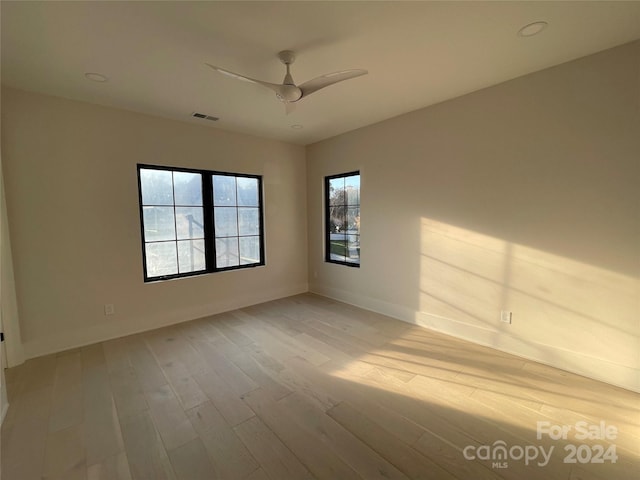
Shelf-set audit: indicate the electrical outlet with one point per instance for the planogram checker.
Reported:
(109, 309)
(505, 316)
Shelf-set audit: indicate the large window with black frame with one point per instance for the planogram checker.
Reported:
(199, 221)
(342, 215)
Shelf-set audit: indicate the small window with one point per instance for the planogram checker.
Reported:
(342, 215)
(199, 221)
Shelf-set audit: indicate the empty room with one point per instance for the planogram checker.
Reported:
(320, 240)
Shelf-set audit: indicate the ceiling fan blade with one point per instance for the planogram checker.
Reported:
(273, 86)
(329, 79)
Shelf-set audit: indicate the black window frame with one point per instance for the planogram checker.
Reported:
(327, 218)
(208, 222)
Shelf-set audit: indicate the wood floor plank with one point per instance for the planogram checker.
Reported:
(77, 472)
(127, 392)
(323, 333)
(294, 346)
(24, 442)
(316, 456)
(179, 376)
(337, 315)
(230, 457)
(40, 373)
(227, 326)
(164, 343)
(250, 366)
(303, 387)
(275, 457)
(169, 417)
(258, 474)
(354, 344)
(402, 456)
(143, 362)
(263, 358)
(225, 369)
(345, 382)
(205, 417)
(282, 347)
(64, 451)
(112, 468)
(299, 378)
(448, 456)
(102, 433)
(191, 462)
(326, 349)
(228, 404)
(461, 421)
(146, 454)
(349, 448)
(116, 353)
(410, 418)
(66, 406)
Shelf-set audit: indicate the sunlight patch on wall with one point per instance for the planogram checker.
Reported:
(565, 312)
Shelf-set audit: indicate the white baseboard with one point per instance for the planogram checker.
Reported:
(67, 340)
(575, 362)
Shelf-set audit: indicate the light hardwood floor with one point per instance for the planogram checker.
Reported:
(302, 388)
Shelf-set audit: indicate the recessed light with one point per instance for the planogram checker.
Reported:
(95, 77)
(297, 127)
(532, 29)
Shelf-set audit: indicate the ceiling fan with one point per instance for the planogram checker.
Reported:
(288, 92)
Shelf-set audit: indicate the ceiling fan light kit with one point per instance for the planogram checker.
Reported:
(288, 92)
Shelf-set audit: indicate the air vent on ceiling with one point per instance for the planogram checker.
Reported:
(204, 116)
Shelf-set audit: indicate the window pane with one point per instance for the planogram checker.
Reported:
(226, 252)
(159, 224)
(157, 187)
(247, 192)
(226, 221)
(337, 220)
(248, 221)
(352, 188)
(187, 188)
(224, 190)
(189, 222)
(353, 220)
(353, 248)
(338, 246)
(191, 256)
(336, 192)
(249, 250)
(161, 259)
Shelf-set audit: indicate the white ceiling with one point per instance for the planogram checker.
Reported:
(417, 54)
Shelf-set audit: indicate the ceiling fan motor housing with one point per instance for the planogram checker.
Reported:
(289, 93)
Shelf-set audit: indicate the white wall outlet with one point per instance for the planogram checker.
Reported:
(109, 309)
(505, 316)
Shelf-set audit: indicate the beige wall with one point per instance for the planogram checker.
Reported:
(522, 197)
(71, 187)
